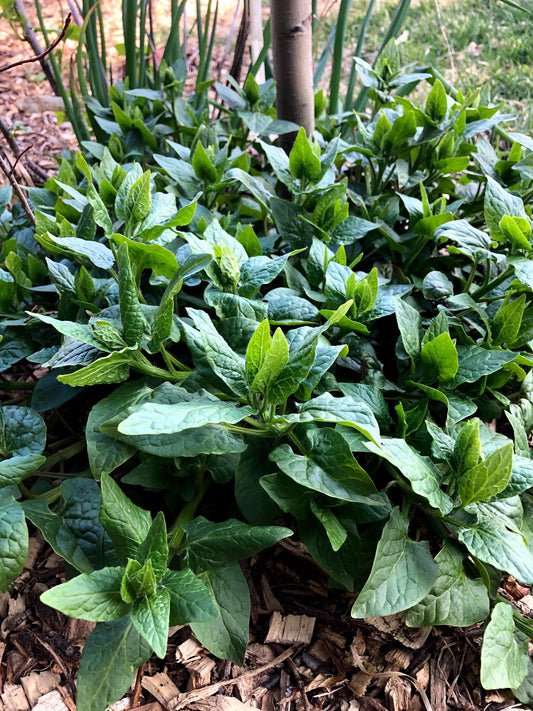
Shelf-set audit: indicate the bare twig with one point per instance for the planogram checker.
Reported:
(6, 168)
(31, 38)
(34, 169)
(17, 158)
(42, 55)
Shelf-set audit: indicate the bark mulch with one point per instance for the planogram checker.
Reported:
(305, 652)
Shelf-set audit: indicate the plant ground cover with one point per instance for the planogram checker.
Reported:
(326, 360)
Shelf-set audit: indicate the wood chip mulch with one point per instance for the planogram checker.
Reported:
(305, 652)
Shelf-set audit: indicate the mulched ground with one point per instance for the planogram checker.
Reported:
(305, 653)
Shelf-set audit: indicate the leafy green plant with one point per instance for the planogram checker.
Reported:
(328, 360)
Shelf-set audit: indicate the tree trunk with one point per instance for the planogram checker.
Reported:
(292, 52)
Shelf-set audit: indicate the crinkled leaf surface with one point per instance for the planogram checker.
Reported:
(150, 615)
(190, 599)
(111, 655)
(13, 540)
(227, 635)
(403, 572)
(454, 599)
(126, 523)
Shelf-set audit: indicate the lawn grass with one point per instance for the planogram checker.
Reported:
(476, 43)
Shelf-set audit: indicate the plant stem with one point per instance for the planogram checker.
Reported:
(176, 533)
(486, 288)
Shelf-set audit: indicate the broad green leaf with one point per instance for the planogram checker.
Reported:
(190, 599)
(454, 599)
(127, 524)
(257, 349)
(403, 572)
(13, 541)
(500, 202)
(131, 315)
(343, 410)
(440, 355)
(227, 364)
(304, 164)
(507, 321)
(79, 250)
(436, 103)
(257, 271)
(504, 653)
(328, 467)
(138, 202)
(203, 166)
(516, 229)
(22, 431)
(111, 655)
(112, 368)
(275, 359)
(254, 503)
(107, 453)
(335, 531)
(302, 347)
(424, 479)
(227, 635)
(154, 548)
(487, 478)
(476, 362)
(524, 692)
(467, 452)
(152, 256)
(156, 418)
(410, 324)
(494, 544)
(94, 596)
(14, 469)
(215, 545)
(150, 616)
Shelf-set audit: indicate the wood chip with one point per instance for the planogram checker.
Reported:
(271, 602)
(221, 703)
(399, 692)
(120, 705)
(14, 698)
(38, 684)
(399, 658)
(292, 629)
(53, 701)
(360, 682)
(161, 687)
(16, 605)
(411, 637)
(190, 649)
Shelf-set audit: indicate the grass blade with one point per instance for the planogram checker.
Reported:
(396, 24)
(348, 100)
(336, 71)
(263, 54)
(129, 26)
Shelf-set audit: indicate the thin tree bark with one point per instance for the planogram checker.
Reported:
(292, 52)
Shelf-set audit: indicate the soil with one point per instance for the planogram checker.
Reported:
(305, 651)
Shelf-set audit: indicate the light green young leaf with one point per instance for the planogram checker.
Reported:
(410, 324)
(154, 548)
(487, 478)
(436, 103)
(14, 469)
(335, 531)
(403, 572)
(343, 410)
(504, 653)
(275, 359)
(131, 315)
(150, 616)
(257, 349)
(467, 452)
(454, 599)
(138, 202)
(13, 541)
(227, 635)
(304, 164)
(507, 321)
(127, 524)
(94, 596)
(440, 355)
(215, 545)
(111, 655)
(112, 368)
(424, 479)
(190, 599)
